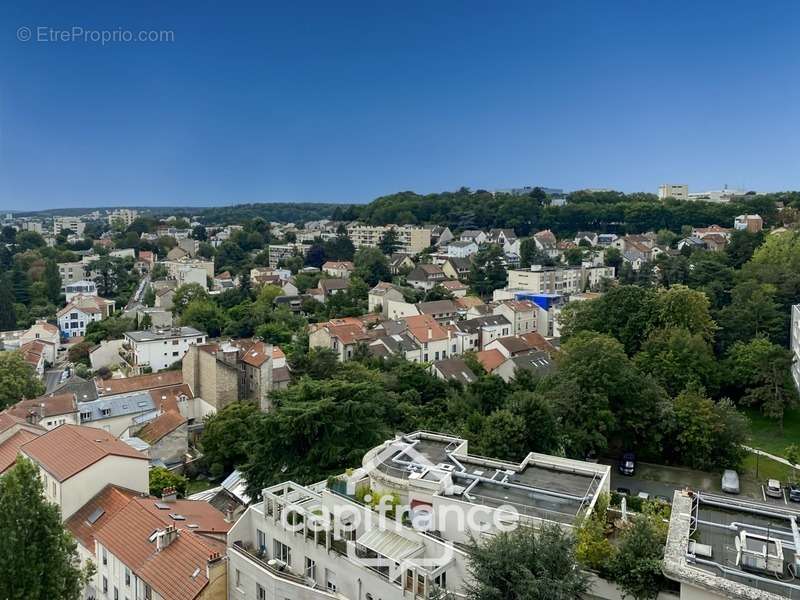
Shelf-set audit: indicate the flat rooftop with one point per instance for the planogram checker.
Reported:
(163, 334)
(742, 547)
(544, 487)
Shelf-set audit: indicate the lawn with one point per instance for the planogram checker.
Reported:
(765, 433)
(767, 469)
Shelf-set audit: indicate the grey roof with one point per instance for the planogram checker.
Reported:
(333, 284)
(455, 369)
(132, 403)
(461, 243)
(460, 263)
(84, 390)
(474, 325)
(425, 273)
(535, 361)
(437, 306)
(163, 334)
(395, 344)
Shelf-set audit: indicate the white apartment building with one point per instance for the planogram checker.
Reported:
(794, 344)
(72, 272)
(159, 348)
(411, 238)
(557, 280)
(74, 224)
(83, 287)
(76, 462)
(177, 269)
(124, 216)
(340, 548)
(75, 317)
(520, 313)
(278, 252)
(678, 191)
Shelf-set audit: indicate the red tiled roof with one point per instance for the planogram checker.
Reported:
(425, 328)
(69, 449)
(536, 340)
(9, 449)
(166, 398)
(45, 406)
(162, 425)
(110, 387)
(490, 359)
(111, 499)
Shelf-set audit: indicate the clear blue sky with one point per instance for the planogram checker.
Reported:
(345, 101)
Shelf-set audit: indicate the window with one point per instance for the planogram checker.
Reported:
(311, 569)
(116, 593)
(148, 592)
(86, 416)
(105, 584)
(330, 580)
(105, 557)
(440, 580)
(105, 411)
(127, 577)
(261, 593)
(175, 353)
(283, 552)
(54, 495)
(261, 540)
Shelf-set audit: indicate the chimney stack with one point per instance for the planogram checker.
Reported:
(169, 494)
(166, 537)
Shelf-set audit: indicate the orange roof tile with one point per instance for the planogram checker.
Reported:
(110, 500)
(110, 387)
(490, 359)
(166, 398)
(9, 449)
(425, 328)
(69, 449)
(45, 406)
(162, 425)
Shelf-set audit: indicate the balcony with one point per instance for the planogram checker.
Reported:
(250, 552)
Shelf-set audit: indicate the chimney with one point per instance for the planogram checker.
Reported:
(166, 537)
(169, 494)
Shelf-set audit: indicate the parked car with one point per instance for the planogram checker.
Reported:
(773, 489)
(627, 464)
(730, 481)
(794, 492)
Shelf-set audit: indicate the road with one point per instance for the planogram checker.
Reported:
(660, 480)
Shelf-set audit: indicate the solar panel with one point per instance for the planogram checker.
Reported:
(98, 512)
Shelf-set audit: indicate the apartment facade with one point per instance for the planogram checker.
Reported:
(679, 191)
(123, 216)
(557, 280)
(159, 348)
(74, 224)
(411, 239)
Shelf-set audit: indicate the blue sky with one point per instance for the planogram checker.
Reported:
(345, 101)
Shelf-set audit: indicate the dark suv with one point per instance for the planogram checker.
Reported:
(627, 464)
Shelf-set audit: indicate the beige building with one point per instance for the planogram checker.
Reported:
(411, 238)
(557, 280)
(671, 190)
(123, 216)
(520, 313)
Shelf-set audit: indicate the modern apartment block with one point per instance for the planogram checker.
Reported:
(277, 252)
(157, 349)
(672, 190)
(794, 344)
(557, 280)
(412, 239)
(324, 542)
(123, 216)
(74, 224)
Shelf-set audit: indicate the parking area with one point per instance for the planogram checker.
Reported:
(662, 480)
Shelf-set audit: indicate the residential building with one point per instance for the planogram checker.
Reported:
(73, 224)
(456, 268)
(479, 331)
(520, 313)
(425, 276)
(123, 217)
(400, 263)
(546, 243)
(462, 249)
(722, 196)
(453, 369)
(157, 349)
(84, 287)
(341, 548)
(539, 363)
(278, 252)
(750, 223)
(76, 462)
(150, 381)
(728, 547)
(679, 191)
(441, 236)
(81, 310)
(412, 239)
(14, 433)
(558, 280)
(490, 359)
(444, 311)
(72, 272)
(379, 296)
(505, 238)
(45, 334)
(48, 411)
(106, 354)
(473, 235)
(338, 269)
(340, 335)
(329, 287)
(224, 372)
(153, 548)
(164, 439)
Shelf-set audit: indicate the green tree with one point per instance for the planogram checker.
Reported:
(52, 281)
(187, 293)
(612, 258)
(8, 312)
(487, 272)
(226, 436)
(204, 315)
(149, 298)
(161, 477)
(680, 306)
(371, 266)
(708, 435)
(40, 558)
(761, 371)
(752, 311)
(199, 233)
(593, 549)
(17, 379)
(676, 358)
(389, 242)
(636, 567)
(573, 256)
(526, 565)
